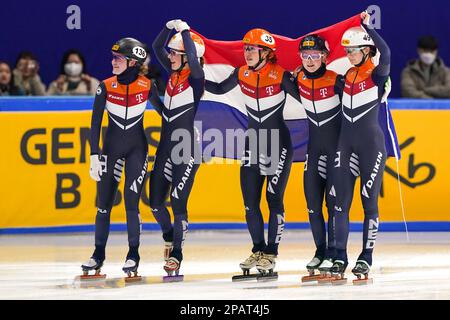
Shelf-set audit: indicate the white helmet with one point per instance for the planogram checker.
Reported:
(176, 43)
(356, 37)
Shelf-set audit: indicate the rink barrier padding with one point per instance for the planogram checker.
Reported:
(438, 226)
(46, 185)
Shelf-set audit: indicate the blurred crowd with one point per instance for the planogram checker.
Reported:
(73, 79)
(426, 76)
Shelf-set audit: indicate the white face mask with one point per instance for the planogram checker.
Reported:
(73, 69)
(427, 58)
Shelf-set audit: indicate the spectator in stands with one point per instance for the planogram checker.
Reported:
(426, 77)
(73, 79)
(7, 86)
(26, 76)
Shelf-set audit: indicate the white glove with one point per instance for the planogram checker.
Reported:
(96, 167)
(181, 26)
(365, 16)
(172, 23)
(387, 90)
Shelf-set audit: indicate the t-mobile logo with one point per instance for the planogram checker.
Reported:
(362, 86)
(323, 92)
(139, 97)
(269, 90)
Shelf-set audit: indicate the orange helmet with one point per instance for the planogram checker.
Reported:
(260, 37)
(176, 43)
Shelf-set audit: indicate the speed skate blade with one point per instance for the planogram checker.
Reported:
(93, 277)
(133, 279)
(178, 278)
(242, 277)
(339, 282)
(267, 277)
(312, 278)
(362, 282)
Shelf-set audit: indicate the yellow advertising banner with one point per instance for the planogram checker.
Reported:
(45, 180)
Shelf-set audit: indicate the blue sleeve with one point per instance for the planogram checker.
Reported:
(289, 85)
(97, 116)
(160, 52)
(384, 67)
(226, 85)
(155, 100)
(339, 86)
(191, 52)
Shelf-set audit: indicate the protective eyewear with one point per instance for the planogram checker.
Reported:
(175, 52)
(248, 48)
(118, 57)
(312, 56)
(352, 50)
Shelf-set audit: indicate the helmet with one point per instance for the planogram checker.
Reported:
(176, 43)
(356, 37)
(260, 37)
(131, 49)
(313, 42)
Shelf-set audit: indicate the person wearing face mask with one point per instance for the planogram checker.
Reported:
(427, 77)
(73, 79)
(172, 173)
(7, 86)
(124, 96)
(264, 85)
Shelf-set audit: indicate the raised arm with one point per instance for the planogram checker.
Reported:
(191, 51)
(97, 116)
(158, 47)
(226, 85)
(384, 66)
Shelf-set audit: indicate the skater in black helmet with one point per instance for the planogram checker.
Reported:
(361, 148)
(171, 174)
(124, 96)
(320, 93)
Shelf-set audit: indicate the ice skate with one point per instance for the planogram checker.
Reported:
(361, 271)
(338, 272)
(265, 266)
(246, 265)
(130, 268)
(312, 267)
(95, 265)
(324, 269)
(172, 267)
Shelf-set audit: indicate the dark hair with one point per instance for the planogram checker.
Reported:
(13, 89)
(25, 55)
(427, 43)
(66, 57)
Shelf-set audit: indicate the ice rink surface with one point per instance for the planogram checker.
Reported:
(47, 266)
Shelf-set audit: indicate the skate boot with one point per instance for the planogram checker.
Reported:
(246, 265)
(361, 271)
(337, 272)
(265, 266)
(324, 269)
(130, 268)
(168, 246)
(93, 264)
(172, 267)
(312, 266)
